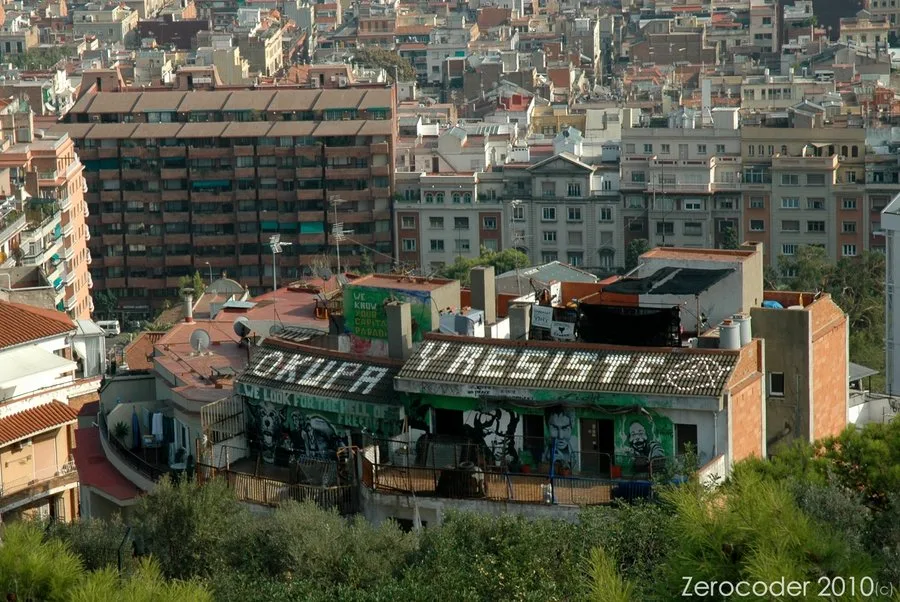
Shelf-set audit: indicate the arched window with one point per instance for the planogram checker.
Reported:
(440, 197)
(456, 197)
(467, 198)
(784, 150)
(761, 150)
(854, 152)
(429, 198)
(844, 152)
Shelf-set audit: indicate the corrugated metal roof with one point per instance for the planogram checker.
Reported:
(320, 372)
(571, 367)
(35, 420)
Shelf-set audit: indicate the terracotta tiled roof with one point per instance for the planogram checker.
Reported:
(23, 323)
(140, 349)
(43, 417)
(94, 470)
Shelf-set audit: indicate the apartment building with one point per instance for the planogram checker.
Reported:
(111, 24)
(886, 9)
(681, 178)
(768, 92)
(766, 18)
(44, 385)
(803, 183)
(43, 214)
(179, 179)
(865, 30)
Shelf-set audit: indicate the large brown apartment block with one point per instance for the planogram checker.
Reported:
(183, 180)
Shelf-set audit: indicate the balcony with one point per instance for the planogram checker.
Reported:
(586, 479)
(699, 188)
(40, 483)
(171, 151)
(11, 224)
(310, 195)
(347, 173)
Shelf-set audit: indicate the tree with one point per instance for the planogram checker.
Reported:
(605, 584)
(633, 252)
(145, 584)
(106, 303)
(188, 527)
(96, 542)
(40, 58)
(501, 261)
(366, 266)
(391, 62)
(730, 239)
(194, 282)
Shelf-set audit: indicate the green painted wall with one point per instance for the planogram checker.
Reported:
(365, 316)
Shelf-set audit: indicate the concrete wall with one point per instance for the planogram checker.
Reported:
(788, 335)
(128, 388)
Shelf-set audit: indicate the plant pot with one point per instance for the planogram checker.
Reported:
(526, 469)
(615, 472)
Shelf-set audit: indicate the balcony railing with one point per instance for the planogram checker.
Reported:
(13, 223)
(30, 481)
(132, 460)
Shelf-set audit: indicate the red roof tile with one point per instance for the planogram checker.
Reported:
(94, 470)
(44, 417)
(140, 350)
(23, 323)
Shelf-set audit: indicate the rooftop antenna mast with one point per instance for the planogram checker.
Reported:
(337, 230)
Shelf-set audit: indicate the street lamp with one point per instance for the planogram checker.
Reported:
(277, 245)
(210, 271)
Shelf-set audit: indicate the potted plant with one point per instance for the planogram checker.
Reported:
(120, 432)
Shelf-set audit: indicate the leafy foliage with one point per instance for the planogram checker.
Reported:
(96, 542)
(39, 58)
(385, 59)
(502, 261)
(730, 239)
(194, 282)
(106, 303)
(605, 583)
(633, 252)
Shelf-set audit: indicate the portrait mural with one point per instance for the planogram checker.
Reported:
(560, 425)
(643, 441)
(278, 432)
(495, 429)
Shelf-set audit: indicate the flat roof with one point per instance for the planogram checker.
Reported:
(670, 281)
(729, 255)
(400, 282)
(27, 361)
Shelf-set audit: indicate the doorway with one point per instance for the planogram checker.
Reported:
(598, 445)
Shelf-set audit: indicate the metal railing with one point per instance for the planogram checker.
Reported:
(43, 474)
(135, 462)
(272, 492)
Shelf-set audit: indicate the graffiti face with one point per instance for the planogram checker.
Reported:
(319, 438)
(270, 419)
(496, 429)
(641, 444)
(560, 429)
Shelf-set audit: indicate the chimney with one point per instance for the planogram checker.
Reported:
(399, 327)
(484, 296)
(189, 306)
(519, 321)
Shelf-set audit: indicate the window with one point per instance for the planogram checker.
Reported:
(790, 225)
(549, 235)
(815, 179)
(757, 202)
(605, 214)
(548, 189)
(457, 197)
(489, 223)
(436, 223)
(692, 205)
(720, 149)
(574, 214)
(490, 244)
(776, 384)
(851, 177)
(725, 204)
(460, 223)
(548, 214)
(629, 149)
(408, 222)
(573, 189)
(648, 149)
(548, 257)
(848, 250)
(518, 213)
(665, 228)
(576, 259)
(816, 226)
(701, 149)
(693, 228)
(575, 239)
(817, 204)
(429, 198)
(409, 244)
(848, 227)
(606, 184)
(789, 249)
(790, 179)
(437, 245)
(636, 225)
(757, 225)
(790, 202)
(665, 149)
(848, 204)
(750, 150)
(638, 177)
(439, 197)
(467, 197)
(462, 244)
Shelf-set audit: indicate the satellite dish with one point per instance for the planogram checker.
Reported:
(242, 327)
(200, 340)
(275, 329)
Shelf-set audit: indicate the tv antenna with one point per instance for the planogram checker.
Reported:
(200, 341)
(337, 229)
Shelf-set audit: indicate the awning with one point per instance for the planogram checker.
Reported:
(859, 372)
(36, 420)
(207, 184)
(312, 228)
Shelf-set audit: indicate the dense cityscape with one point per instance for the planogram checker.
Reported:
(488, 300)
